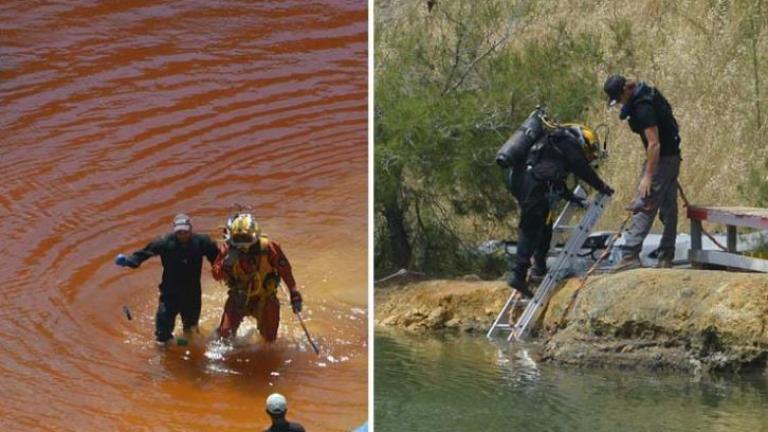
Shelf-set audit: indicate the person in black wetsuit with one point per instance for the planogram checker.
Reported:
(277, 408)
(181, 253)
(537, 186)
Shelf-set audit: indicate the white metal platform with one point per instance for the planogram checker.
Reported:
(732, 218)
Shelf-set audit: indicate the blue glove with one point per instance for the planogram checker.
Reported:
(121, 260)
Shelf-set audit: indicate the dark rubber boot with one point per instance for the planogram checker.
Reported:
(539, 270)
(519, 284)
(665, 259)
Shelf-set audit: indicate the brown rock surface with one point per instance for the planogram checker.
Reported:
(688, 320)
(437, 304)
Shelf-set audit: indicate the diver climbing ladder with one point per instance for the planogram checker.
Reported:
(561, 268)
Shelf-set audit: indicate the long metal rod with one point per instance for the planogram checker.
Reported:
(301, 321)
(306, 332)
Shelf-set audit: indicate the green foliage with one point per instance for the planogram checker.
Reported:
(450, 87)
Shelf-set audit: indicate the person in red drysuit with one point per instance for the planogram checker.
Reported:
(252, 266)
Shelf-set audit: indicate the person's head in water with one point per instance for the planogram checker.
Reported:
(277, 407)
(618, 89)
(182, 227)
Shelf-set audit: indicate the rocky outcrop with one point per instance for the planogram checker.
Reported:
(687, 320)
(441, 304)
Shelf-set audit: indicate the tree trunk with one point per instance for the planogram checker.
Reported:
(398, 236)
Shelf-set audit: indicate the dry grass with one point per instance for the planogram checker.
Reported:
(698, 57)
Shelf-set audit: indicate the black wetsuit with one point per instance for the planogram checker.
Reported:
(285, 427)
(180, 290)
(547, 167)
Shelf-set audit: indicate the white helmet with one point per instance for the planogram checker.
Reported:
(276, 404)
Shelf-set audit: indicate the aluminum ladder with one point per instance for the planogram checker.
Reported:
(561, 268)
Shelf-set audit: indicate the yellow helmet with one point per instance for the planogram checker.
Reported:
(591, 146)
(242, 231)
(590, 136)
(588, 140)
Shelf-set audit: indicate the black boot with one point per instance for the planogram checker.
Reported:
(666, 257)
(518, 283)
(539, 269)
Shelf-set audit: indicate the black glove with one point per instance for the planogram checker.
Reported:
(296, 301)
(606, 190)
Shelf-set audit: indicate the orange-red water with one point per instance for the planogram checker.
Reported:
(114, 116)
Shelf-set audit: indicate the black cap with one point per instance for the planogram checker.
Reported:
(613, 87)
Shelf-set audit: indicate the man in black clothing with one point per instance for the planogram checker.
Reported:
(277, 408)
(650, 116)
(538, 186)
(181, 253)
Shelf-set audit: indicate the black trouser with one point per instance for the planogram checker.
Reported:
(534, 229)
(168, 307)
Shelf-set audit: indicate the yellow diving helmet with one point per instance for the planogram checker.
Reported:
(242, 231)
(589, 141)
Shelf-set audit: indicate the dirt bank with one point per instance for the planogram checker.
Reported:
(439, 304)
(687, 320)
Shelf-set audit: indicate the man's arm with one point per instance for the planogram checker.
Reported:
(135, 259)
(645, 116)
(581, 168)
(210, 249)
(279, 261)
(652, 155)
(219, 268)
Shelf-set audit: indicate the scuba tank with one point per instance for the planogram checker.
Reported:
(515, 150)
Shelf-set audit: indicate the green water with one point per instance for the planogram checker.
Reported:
(455, 382)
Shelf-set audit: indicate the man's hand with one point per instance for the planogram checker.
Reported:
(645, 186)
(121, 260)
(296, 301)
